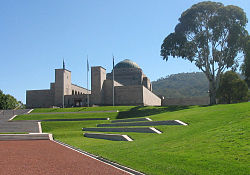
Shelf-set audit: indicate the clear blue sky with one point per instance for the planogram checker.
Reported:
(35, 35)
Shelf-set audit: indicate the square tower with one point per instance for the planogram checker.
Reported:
(62, 86)
(98, 76)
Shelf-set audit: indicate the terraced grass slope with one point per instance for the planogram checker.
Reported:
(80, 109)
(216, 141)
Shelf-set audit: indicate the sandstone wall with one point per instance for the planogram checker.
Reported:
(39, 98)
(150, 99)
(78, 90)
(129, 95)
(127, 76)
(146, 83)
(71, 99)
(108, 91)
(98, 75)
(62, 85)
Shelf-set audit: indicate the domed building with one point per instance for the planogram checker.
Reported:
(129, 73)
(131, 87)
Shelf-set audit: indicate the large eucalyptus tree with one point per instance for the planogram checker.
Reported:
(211, 35)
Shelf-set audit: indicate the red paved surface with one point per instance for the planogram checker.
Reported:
(47, 158)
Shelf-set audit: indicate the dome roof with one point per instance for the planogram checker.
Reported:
(126, 64)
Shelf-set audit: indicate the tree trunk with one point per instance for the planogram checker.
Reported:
(212, 92)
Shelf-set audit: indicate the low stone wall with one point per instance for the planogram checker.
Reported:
(186, 101)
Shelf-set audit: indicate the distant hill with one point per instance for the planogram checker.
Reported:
(182, 85)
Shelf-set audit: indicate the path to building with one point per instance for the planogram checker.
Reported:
(26, 156)
(31, 126)
(47, 157)
(15, 126)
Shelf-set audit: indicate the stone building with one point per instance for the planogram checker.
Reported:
(131, 87)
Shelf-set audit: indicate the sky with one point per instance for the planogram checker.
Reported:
(35, 36)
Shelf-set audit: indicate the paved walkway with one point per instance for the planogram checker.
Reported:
(46, 157)
(15, 126)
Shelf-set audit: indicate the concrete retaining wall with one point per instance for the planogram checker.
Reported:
(131, 120)
(152, 123)
(139, 130)
(113, 137)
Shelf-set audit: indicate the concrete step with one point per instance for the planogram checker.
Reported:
(140, 130)
(78, 119)
(131, 120)
(30, 136)
(113, 137)
(152, 123)
(17, 127)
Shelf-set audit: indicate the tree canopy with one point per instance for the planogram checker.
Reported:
(246, 65)
(210, 35)
(232, 89)
(7, 101)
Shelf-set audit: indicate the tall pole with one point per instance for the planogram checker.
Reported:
(63, 84)
(113, 81)
(87, 81)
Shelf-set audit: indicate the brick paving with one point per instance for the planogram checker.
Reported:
(46, 157)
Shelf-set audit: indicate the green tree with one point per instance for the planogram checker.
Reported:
(7, 101)
(246, 65)
(232, 89)
(210, 35)
(1, 99)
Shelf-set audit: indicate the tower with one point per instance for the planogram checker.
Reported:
(62, 85)
(98, 75)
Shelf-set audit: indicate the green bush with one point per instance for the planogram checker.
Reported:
(232, 89)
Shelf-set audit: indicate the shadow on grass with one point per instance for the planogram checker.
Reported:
(142, 111)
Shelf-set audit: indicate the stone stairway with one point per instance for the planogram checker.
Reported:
(138, 130)
(7, 125)
(117, 126)
(148, 123)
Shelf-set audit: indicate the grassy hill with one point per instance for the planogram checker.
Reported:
(216, 140)
(182, 85)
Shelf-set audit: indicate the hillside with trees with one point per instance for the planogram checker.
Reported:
(182, 85)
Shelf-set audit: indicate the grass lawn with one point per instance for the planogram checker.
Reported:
(216, 141)
(78, 109)
(125, 112)
(66, 116)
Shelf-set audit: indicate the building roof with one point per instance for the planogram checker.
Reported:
(126, 64)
